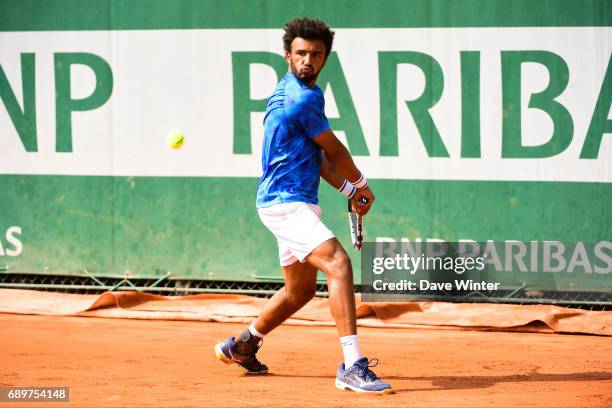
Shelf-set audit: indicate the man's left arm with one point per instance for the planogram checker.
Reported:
(329, 174)
(338, 168)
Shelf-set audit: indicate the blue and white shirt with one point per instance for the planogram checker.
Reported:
(291, 161)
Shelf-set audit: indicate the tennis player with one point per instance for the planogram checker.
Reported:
(298, 149)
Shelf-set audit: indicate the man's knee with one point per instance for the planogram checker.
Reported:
(332, 259)
(341, 267)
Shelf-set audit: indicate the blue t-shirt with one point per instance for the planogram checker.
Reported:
(291, 161)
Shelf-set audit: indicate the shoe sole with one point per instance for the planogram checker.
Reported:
(223, 358)
(252, 372)
(341, 385)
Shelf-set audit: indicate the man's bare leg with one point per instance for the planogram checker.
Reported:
(300, 287)
(332, 259)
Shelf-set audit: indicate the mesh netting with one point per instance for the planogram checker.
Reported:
(168, 286)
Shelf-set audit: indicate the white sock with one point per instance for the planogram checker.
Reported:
(254, 331)
(350, 348)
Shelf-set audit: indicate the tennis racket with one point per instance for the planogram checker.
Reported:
(356, 225)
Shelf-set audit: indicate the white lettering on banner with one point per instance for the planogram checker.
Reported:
(12, 238)
(183, 79)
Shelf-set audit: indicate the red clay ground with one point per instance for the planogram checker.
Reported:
(119, 362)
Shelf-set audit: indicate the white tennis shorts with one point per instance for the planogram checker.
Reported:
(297, 227)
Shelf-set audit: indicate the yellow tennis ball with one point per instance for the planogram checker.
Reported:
(175, 139)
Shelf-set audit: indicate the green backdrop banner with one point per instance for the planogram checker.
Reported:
(474, 120)
(209, 228)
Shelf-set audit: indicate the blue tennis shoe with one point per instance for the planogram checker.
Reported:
(360, 378)
(227, 352)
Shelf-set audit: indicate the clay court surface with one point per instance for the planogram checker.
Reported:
(128, 362)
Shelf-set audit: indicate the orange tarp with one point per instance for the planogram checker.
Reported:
(242, 309)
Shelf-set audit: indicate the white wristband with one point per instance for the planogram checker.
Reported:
(347, 189)
(361, 182)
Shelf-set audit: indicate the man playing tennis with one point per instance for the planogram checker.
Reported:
(299, 147)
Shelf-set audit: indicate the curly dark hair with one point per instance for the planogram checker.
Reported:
(308, 29)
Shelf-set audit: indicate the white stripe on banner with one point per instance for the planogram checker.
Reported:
(182, 79)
